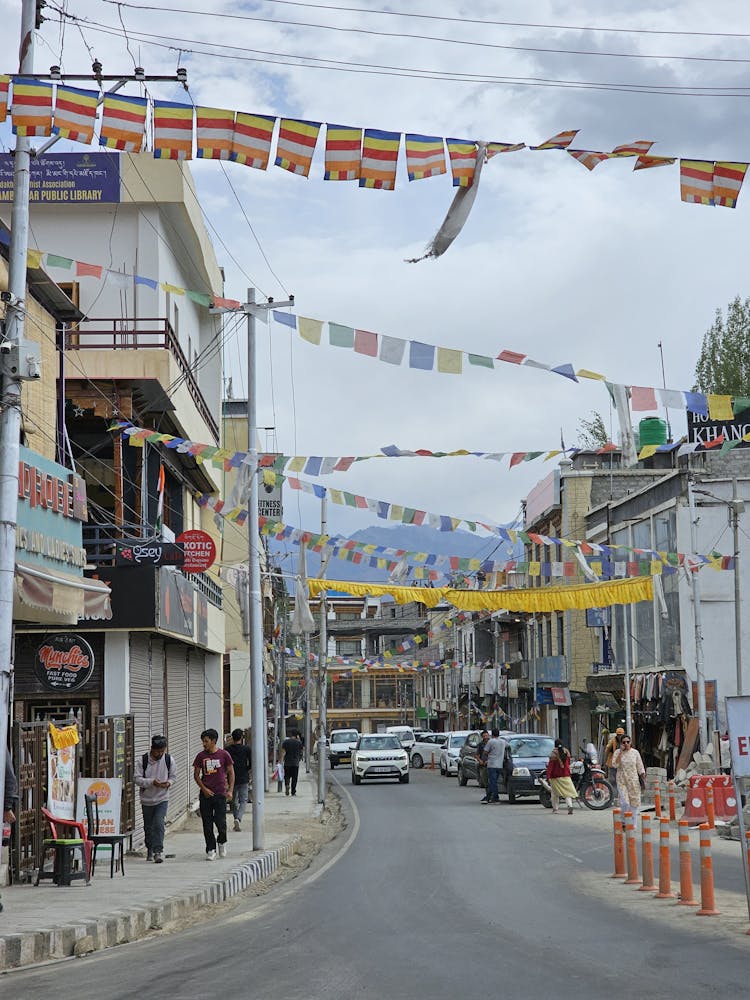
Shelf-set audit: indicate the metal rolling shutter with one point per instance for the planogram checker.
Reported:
(158, 689)
(140, 706)
(197, 708)
(177, 727)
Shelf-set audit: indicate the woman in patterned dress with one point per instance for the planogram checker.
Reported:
(630, 770)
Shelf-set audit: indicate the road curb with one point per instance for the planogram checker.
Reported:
(122, 926)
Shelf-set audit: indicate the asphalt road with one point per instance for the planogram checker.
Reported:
(429, 894)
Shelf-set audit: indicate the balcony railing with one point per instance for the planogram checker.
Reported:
(117, 334)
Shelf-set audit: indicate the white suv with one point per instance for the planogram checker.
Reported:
(340, 745)
(379, 755)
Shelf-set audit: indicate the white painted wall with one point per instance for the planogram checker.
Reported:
(116, 673)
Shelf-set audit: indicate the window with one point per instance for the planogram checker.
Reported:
(348, 647)
(561, 635)
(385, 692)
(548, 624)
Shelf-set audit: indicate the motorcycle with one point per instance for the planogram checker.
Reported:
(588, 778)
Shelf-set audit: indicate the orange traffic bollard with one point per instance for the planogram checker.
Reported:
(708, 903)
(665, 871)
(647, 856)
(619, 844)
(710, 814)
(672, 802)
(686, 867)
(631, 852)
(657, 800)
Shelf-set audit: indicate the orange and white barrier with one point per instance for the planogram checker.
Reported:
(665, 870)
(631, 851)
(696, 799)
(647, 855)
(619, 845)
(686, 867)
(672, 802)
(708, 902)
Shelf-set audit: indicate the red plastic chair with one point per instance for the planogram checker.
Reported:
(58, 823)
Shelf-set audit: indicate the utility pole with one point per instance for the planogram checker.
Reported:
(308, 718)
(735, 508)
(323, 667)
(697, 624)
(10, 415)
(253, 622)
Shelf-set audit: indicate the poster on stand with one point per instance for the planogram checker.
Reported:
(108, 792)
(61, 783)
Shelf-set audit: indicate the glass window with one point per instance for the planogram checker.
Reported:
(340, 694)
(561, 635)
(385, 692)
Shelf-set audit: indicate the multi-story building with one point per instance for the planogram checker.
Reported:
(561, 648)
(142, 347)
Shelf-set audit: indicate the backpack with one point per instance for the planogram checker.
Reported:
(167, 758)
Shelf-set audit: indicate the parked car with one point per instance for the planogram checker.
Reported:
(467, 760)
(379, 755)
(340, 745)
(525, 764)
(427, 746)
(450, 751)
(405, 735)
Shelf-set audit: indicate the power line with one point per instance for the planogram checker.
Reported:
(275, 58)
(484, 22)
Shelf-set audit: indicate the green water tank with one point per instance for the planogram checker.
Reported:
(652, 430)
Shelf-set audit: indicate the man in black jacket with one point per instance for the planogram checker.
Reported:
(242, 757)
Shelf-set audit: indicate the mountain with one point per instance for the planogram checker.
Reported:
(413, 538)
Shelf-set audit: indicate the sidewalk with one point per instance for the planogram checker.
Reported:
(46, 922)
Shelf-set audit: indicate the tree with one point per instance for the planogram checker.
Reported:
(592, 434)
(724, 363)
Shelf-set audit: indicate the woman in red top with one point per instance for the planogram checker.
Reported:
(558, 774)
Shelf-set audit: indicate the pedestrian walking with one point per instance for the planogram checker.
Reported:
(558, 775)
(242, 760)
(213, 771)
(481, 766)
(613, 744)
(154, 775)
(291, 755)
(631, 776)
(10, 798)
(493, 756)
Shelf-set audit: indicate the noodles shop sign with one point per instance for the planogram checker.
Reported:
(64, 662)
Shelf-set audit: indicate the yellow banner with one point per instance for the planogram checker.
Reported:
(579, 596)
(67, 737)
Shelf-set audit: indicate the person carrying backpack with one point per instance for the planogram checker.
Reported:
(155, 774)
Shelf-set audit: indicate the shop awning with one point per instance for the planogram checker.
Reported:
(60, 594)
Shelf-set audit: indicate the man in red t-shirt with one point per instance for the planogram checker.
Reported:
(213, 770)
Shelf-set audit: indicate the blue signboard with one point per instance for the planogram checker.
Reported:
(66, 178)
(51, 507)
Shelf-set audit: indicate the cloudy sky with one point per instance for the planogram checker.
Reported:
(557, 263)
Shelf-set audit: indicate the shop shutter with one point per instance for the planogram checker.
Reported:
(197, 706)
(140, 707)
(177, 728)
(158, 689)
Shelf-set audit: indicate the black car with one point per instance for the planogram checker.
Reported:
(526, 758)
(467, 759)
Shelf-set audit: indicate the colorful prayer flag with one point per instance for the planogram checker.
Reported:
(493, 148)
(31, 109)
(638, 148)
(173, 131)
(309, 329)
(728, 178)
(343, 153)
(560, 141)
(88, 270)
(588, 157)
(646, 162)
(697, 181)
(425, 156)
(4, 87)
(366, 343)
(214, 131)
(379, 158)
(75, 113)
(296, 145)
(123, 123)
(720, 407)
(449, 362)
(463, 155)
(251, 140)
(643, 398)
